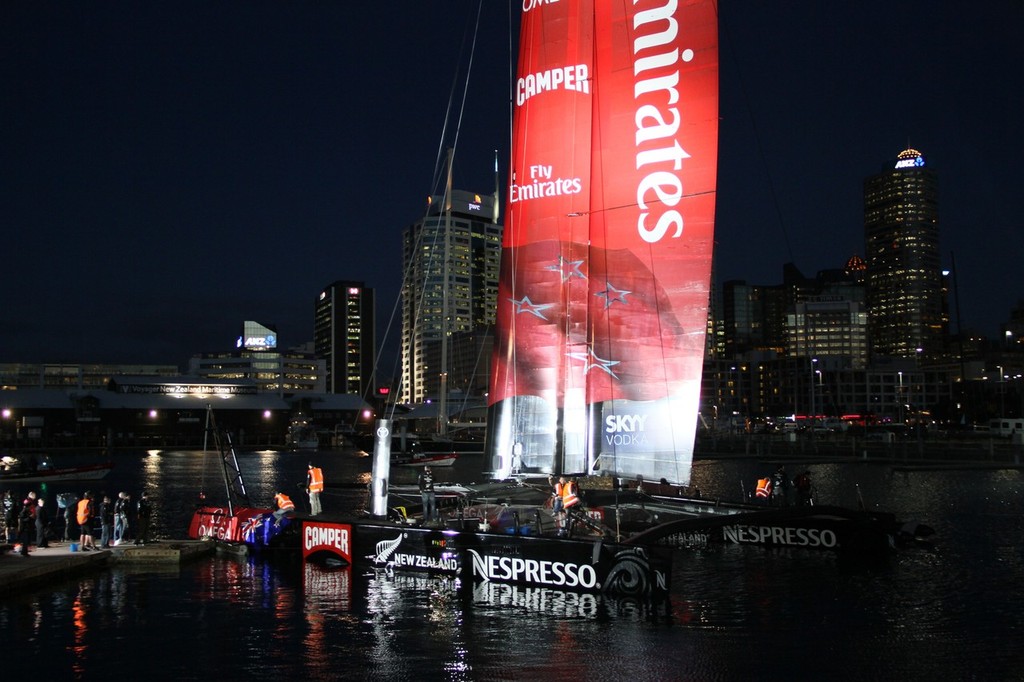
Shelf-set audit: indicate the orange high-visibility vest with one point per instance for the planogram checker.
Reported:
(284, 502)
(83, 512)
(316, 480)
(764, 487)
(569, 495)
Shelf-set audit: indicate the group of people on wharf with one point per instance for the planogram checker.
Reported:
(778, 490)
(314, 486)
(29, 523)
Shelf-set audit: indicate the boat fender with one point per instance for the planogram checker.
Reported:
(597, 552)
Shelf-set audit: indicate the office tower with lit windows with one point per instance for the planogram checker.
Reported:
(343, 335)
(906, 315)
(450, 290)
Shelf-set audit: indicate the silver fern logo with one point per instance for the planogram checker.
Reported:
(385, 549)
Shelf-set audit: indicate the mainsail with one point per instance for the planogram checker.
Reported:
(606, 255)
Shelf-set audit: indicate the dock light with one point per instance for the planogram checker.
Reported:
(266, 414)
(6, 413)
(152, 414)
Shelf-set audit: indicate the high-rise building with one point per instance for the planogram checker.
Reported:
(450, 258)
(343, 335)
(904, 275)
(826, 326)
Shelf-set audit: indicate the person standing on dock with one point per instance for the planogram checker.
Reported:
(106, 522)
(314, 486)
(69, 502)
(121, 518)
(144, 513)
(84, 518)
(27, 522)
(42, 523)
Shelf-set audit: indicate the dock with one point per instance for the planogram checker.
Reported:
(58, 561)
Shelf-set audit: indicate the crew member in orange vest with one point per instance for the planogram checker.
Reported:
(84, 517)
(314, 486)
(556, 495)
(567, 492)
(284, 506)
(569, 498)
(764, 488)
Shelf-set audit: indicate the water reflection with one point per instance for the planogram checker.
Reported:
(927, 613)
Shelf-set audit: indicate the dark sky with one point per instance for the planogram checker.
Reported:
(169, 170)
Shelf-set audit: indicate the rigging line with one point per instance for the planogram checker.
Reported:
(584, 214)
(757, 139)
(465, 85)
(408, 270)
(438, 159)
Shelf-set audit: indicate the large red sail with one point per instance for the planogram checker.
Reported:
(607, 251)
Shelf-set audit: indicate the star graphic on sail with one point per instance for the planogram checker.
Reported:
(591, 361)
(525, 305)
(613, 295)
(567, 269)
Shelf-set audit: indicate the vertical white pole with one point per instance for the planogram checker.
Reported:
(381, 469)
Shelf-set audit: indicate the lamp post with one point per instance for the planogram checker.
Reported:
(737, 393)
(813, 411)
(899, 396)
(1002, 393)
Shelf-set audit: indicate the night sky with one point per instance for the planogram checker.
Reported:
(169, 170)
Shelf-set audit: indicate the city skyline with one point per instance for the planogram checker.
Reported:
(171, 173)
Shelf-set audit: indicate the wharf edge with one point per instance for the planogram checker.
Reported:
(58, 562)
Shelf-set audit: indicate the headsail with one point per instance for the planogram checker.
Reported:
(606, 257)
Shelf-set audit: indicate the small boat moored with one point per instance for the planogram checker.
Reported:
(42, 470)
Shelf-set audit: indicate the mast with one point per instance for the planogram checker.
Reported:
(442, 409)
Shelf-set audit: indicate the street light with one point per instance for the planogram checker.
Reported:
(899, 396)
(1002, 393)
(813, 370)
(821, 391)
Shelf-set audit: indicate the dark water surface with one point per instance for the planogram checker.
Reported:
(953, 612)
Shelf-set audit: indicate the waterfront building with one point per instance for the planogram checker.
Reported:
(155, 412)
(344, 337)
(773, 318)
(714, 338)
(906, 312)
(766, 387)
(257, 358)
(81, 376)
(450, 288)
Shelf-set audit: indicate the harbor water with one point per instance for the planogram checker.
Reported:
(954, 610)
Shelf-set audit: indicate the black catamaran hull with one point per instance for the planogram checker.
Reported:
(558, 563)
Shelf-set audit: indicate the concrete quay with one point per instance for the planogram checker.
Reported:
(57, 561)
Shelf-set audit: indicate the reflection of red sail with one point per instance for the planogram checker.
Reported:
(608, 234)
